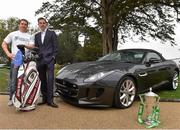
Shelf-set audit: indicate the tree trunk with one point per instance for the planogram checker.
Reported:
(107, 27)
(115, 38)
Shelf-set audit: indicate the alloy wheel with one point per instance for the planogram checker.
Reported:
(127, 92)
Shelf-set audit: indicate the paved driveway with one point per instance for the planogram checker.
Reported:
(68, 116)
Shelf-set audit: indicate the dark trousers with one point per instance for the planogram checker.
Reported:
(12, 80)
(46, 75)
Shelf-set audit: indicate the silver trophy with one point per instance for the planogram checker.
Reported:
(149, 110)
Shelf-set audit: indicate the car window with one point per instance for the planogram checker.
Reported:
(152, 55)
(133, 56)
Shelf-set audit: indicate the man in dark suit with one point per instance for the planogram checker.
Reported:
(46, 41)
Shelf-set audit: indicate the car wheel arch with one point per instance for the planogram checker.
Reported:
(177, 70)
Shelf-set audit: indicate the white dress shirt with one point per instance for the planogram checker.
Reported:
(43, 33)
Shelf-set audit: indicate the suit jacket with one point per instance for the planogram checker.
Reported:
(48, 49)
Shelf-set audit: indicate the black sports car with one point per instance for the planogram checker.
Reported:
(116, 79)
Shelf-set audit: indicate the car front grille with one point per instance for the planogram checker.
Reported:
(67, 88)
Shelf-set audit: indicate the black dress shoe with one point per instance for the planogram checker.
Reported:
(52, 105)
(42, 103)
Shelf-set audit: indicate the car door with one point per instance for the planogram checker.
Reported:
(152, 72)
(157, 73)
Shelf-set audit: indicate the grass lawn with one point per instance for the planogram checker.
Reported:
(166, 93)
(162, 92)
(4, 75)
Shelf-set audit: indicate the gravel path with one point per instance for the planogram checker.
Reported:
(72, 117)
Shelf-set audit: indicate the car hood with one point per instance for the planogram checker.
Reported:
(86, 69)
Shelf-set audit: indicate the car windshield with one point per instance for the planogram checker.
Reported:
(131, 56)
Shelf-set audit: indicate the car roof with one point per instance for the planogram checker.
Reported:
(167, 51)
(144, 49)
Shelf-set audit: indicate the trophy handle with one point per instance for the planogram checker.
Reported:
(141, 96)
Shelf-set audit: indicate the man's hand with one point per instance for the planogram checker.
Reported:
(29, 46)
(11, 56)
(5, 49)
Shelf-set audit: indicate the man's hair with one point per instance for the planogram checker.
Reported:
(41, 18)
(24, 21)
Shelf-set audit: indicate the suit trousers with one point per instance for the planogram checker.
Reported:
(46, 75)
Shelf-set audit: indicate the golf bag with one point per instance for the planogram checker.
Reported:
(28, 82)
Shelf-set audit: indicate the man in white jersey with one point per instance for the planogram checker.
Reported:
(16, 38)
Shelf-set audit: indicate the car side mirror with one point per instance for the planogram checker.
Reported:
(154, 60)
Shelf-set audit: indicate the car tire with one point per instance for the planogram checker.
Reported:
(125, 93)
(175, 81)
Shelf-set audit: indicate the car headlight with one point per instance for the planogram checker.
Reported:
(98, 76)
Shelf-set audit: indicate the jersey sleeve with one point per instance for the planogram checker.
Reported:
(8, 38)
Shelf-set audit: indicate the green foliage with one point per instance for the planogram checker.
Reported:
(89, 52)
(12, 24)
(68, 44)
(113, 18)
(57, 67)
(92, 49)
(3, 58)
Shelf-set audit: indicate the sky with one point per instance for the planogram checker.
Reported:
(27, 8)
(21, 9)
